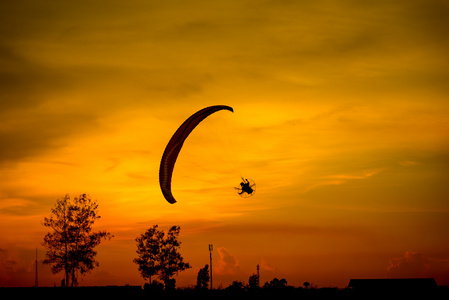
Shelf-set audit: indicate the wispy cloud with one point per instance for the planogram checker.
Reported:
(328, 96)
(411, 265)
(339, 179)
(266, 266)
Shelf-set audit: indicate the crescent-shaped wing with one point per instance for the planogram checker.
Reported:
(175, 144)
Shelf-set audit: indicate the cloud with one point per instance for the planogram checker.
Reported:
(17, 206)
(411, 265)
(266, 266)
(227, 263)
(363, 175)
(11, 267)
(320, 81)
(26, 134)
(407, 163)
(339, 179)
(31, 122)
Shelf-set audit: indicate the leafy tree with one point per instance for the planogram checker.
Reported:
(276, 283)
(236, 286)
(306, 284)
(158, 254)
(253, 282)
(170, 259)
(202, 280)
(149, 247)
(70, 246)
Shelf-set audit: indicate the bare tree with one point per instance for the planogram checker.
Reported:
(70, 246)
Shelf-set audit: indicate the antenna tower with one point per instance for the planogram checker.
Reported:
(258, 276)
(35, 274)
(211, 247)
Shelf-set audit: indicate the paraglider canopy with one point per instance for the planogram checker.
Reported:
(175, 144)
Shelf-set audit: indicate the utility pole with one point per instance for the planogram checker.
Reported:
(258, 276)
(35, 275)
(211, 247)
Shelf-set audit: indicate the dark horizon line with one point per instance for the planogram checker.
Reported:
(429, 280)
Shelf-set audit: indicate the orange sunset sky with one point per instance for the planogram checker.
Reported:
(341, 118)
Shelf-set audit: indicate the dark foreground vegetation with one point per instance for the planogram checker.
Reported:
(289, 292)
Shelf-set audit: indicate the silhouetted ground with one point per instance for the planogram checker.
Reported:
(136, 292)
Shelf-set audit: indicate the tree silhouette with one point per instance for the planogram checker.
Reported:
(148, 249)
(236, 285)
(253, 281)
(202, 280)
(170, 259)
(306, 284)
(276, 283)
(70, 246)
(159, 254)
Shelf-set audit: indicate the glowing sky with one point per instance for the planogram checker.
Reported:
(341, 117)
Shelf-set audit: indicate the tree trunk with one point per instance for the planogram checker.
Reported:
(66, 277)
